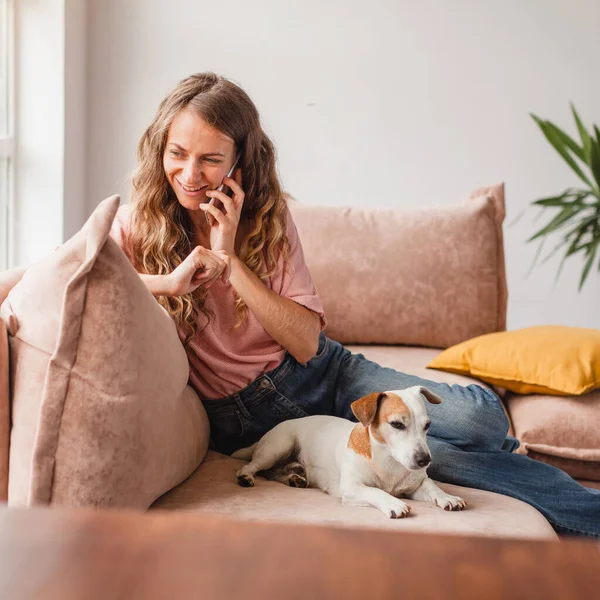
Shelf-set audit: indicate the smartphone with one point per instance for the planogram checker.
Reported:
(220, 188)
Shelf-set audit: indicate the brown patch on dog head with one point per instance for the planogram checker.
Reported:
(359, 441)
(365, 408)
(391, 408)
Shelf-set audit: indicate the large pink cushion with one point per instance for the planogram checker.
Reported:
(560, 430)
(424, 277)
(8, 279)
(101, 411)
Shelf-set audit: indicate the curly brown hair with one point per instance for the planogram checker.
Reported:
(160, 232)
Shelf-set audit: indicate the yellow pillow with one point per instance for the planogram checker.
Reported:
(548, 359)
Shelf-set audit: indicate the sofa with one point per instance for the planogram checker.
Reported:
(78, 428)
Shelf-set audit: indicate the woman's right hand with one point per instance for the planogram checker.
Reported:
(201, 267)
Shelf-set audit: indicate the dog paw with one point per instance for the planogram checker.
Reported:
(296, 468)
(245, 480)
(448, 502)
(398, 510)
(297, 481)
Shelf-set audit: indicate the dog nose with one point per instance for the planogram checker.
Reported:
(423, 460)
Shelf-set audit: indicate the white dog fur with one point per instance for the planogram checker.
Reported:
(370, 463)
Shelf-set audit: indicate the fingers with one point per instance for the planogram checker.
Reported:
(214, 211)
(227, 260)
(225, 200)
(209, 266)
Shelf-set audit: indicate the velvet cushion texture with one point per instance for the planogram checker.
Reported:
(546, 359)
(101, 411)
(8, 279)
(562, 431)
(424, 277)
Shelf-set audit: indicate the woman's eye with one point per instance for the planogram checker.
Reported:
(213, 161)
(398, 425)
(176, 153)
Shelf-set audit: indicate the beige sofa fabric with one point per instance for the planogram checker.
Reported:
(101, 411)
(427, 277)
(560, 430)
(213, 488)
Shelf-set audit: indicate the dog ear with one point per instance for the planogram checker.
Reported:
(365, 408)
(430, 396)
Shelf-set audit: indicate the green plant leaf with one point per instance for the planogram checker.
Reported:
(558, 142)
(588, 264)
(595, 162)
(553, 201)
(558, 221)
(568, 141)
(579, 231)
(583, 134)
(570, 196)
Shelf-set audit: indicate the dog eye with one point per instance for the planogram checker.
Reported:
(398, 425)
(427, 426)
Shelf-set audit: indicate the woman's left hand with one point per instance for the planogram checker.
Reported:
(224, 222)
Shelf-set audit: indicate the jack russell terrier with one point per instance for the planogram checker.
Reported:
(370, 463)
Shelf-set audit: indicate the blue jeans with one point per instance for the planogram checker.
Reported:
(468, 435)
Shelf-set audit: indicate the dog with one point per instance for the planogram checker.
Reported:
(370, 463)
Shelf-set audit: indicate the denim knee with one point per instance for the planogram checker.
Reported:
(472, 417)
(492, 424)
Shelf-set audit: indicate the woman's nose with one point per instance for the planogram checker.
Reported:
(191, 172)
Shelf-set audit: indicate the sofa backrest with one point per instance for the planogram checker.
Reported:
(423, 277)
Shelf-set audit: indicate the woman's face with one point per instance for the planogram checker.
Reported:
(196, 158)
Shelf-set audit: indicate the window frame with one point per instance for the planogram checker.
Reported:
(7, 140)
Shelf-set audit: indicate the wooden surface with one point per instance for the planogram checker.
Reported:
(90, 554)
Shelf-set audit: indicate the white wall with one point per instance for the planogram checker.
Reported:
(50, 186)
(384, 103)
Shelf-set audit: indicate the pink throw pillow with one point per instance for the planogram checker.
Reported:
(101, 411)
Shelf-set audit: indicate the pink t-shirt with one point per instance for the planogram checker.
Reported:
(224, 361)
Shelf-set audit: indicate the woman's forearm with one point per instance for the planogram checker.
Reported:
(295, 327)
(158, 285)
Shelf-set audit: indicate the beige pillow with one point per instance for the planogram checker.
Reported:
(424, 277)
(560, 430)
(101, 411)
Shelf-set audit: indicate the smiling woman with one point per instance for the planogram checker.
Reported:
(231, 273)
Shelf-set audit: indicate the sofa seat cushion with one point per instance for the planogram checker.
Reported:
(212, 488)
(412, 360)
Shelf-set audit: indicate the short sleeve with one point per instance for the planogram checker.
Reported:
(293, 279)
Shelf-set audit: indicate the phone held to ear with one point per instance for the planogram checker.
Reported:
(220, 188)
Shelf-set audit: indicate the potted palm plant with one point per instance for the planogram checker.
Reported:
(578, 216)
